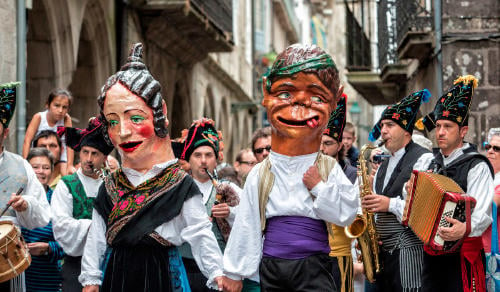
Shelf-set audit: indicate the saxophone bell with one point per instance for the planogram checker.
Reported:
(357, 227)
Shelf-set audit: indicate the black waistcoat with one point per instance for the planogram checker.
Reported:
(458, 170)
(390, 231)
(401, 173)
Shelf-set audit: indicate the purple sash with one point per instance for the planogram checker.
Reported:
(295, 237)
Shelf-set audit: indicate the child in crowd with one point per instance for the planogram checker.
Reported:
(55, 115)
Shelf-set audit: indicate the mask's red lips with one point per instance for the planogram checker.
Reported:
(311, 122)
(130, 146)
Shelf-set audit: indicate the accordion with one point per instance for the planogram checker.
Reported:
(431, 198)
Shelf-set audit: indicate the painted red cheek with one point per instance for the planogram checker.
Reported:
(145, 130)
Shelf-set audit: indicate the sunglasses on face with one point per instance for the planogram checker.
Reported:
(251, 163)
(489, 146)
(260, 150)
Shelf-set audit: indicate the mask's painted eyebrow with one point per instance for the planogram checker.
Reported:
(284, 85)
(318, 87)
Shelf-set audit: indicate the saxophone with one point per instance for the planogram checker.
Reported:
(363, 227)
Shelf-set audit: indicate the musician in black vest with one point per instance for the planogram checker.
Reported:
(401, 251)
(459, 160)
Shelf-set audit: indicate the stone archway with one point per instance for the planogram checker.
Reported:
(93, 65)
(209, 104)
(68, 46)
(48, 47)
(225, 124)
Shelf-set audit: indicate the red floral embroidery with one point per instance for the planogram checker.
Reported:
(446, 113)
(139, 199)
(123, 205)
(396, 116)
(442, 99)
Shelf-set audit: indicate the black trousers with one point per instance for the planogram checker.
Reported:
(310, 274)
(197, 281)
(70, 271)
(5, 286)
(390, 277)
(443, 273)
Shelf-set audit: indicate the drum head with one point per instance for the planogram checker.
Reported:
(5, 228)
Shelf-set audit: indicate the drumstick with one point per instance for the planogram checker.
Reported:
(4, 179)
(8, 205)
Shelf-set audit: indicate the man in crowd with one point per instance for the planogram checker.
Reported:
(30, 208)
(73, 198)
(349, 138)
(244, 162)
(261, 143)
(331, 141)
(340, 244)
(50, 140)
(279, 234)
(462, 270)
(401, 251)
(202, 150)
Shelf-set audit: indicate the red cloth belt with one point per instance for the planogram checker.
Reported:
(471, 252)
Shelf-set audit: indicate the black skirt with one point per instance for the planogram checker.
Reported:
(144, 267)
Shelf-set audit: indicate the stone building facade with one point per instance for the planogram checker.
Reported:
(428, 44)
(203, 65)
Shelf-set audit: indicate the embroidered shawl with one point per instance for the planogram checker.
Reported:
(134, 212)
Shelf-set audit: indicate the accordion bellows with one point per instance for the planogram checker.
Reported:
(433, 197)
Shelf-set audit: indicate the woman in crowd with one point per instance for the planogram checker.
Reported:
(44, 271)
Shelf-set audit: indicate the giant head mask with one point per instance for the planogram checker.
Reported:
(135, 115)
(300, 92)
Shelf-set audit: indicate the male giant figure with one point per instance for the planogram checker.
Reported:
(280, 233)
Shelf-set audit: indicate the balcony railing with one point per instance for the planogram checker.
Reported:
(358, 45)
(412, 16)
(219, 12)
(387, 33)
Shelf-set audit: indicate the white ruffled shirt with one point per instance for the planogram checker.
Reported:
(334, 201)
(191, 225)
(38, 212)
(71, 233)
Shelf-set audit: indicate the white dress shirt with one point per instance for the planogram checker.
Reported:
(71, 233)
(397, 204)
(38, 212)
(335, 201)
(479, 186)
(191, 225)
